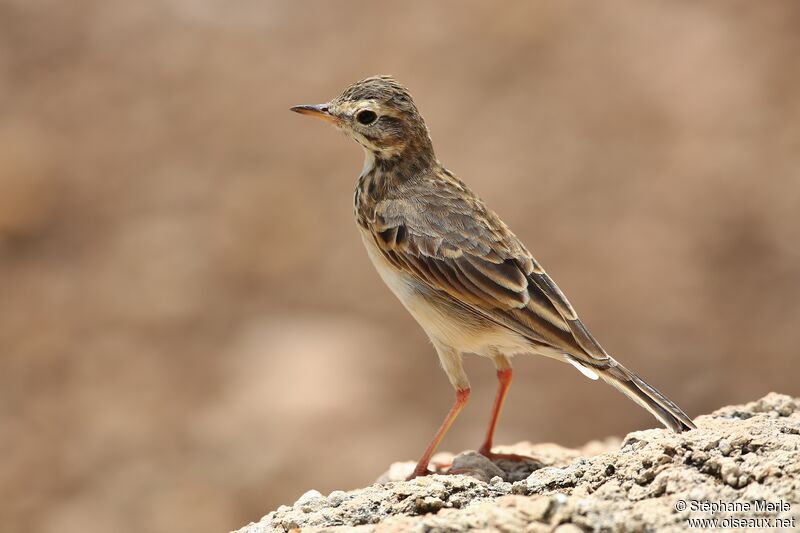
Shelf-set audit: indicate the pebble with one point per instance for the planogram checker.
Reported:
(310, 501)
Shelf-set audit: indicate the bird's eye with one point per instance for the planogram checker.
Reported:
(366, 117)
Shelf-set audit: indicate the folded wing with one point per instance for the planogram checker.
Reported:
(456, 245)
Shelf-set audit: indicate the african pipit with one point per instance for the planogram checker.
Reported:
(460, 272)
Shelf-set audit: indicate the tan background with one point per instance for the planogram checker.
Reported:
(190, 332)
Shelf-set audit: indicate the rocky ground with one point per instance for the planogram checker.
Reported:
(740, 467)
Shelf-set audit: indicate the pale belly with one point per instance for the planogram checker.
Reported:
(443, 320)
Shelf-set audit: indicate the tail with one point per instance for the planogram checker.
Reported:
(635, 388)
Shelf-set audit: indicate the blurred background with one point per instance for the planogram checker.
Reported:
(190, 331)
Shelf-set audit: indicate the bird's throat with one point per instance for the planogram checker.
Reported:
(369, 162)
(383, 175)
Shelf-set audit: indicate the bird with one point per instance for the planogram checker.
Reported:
(457, 268)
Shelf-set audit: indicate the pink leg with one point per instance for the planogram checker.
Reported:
(462, 395)
(504, 379)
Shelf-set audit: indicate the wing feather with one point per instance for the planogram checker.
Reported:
(490, 284)
(507, 274)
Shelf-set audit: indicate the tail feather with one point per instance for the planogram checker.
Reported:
(635, 388)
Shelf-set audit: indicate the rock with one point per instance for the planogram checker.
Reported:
(336, 497)
(310, 501)
(739, 455)
(476, 465)
(397, 472)
(568, 528)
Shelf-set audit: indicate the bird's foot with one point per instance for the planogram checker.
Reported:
(492, 456)
(420, 473)
(516, 467)
(439, 467)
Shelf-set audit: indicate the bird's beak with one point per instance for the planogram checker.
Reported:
(319, 111)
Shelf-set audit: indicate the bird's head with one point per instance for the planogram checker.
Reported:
(379, 113)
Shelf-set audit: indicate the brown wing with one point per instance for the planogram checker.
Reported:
(452, 242)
